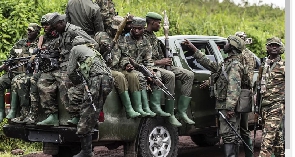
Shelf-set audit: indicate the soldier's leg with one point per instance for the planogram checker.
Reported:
(135, 91)
(245, 134)
(271, 118)
(4, 84)
(23, 92)
(47, 86)
(279, 143)
(121, 85)
(76, 98)
(186, 77)
(14, 96)
(35, 100)
(230, 140)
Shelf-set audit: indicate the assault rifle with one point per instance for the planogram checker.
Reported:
(10, 64)
(84, 82)
(108, 55)
(166, 33)
(235, 131)
(155, 79)
(50, 54)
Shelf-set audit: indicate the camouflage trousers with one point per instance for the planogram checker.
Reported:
(225, 131)
(244, 131)
(51, 85)
(20, 84)
(186, 78)
(136, 80)
(120, 82)
(100, 86)
(34, 93)
(272, 135)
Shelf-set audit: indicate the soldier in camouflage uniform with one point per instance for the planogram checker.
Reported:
(120, 82)
(169, 77)
(100, 83)
(20, 83)
(227, 89)
(108, 12)
(85, 14)
(248, 61)
(273, 99)
(127, 28)
(57, 81)
(137, 47)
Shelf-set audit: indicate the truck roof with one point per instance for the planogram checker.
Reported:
(201, 37)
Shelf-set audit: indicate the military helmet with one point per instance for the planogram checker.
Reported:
(117, 21)
(44, 18)
(138, 21)
(243, 36)
(236, 42)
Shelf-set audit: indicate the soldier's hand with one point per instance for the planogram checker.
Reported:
(164, 61)
(230, 114)
(205, 84)
(189, 45)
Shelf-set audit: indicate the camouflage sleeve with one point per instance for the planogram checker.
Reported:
(148, 61)
(116, 55)
(98, 22)
(72, 66)
(205, 62)
(86, 37)
(124, 58)
(234, 86)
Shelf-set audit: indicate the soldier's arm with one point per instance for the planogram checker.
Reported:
(234, 86)
(205, 62)
(116, 56)
(83, 34)
(98, 21)
(148, 61)
(72, 67)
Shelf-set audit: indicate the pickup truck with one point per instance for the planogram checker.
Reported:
(144, 137)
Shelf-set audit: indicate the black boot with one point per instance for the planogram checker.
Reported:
(230, 150)
(86, 146)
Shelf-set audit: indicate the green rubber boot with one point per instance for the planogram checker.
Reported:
(86, 146)
(169, 107)
(145, 103)
(130, 113)
(24, 113)
(52, 120)
(183, 103)
(2, 108)
(13, 105)
(137, 104)
(73, 121)
(248, 141)
(155, 105)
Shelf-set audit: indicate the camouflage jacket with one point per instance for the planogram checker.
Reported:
(249, 61)
(85, 14)
(158, 53)
(107, 10)
(139, 50)
(227, 89)
(66, 38)
(22, 49)
(273, 81)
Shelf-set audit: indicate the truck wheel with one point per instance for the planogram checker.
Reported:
(158, 138)
(205, 140)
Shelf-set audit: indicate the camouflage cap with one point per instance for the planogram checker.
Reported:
(154, 15)
(237, 42)
(274, 40)
(44, 18)
(102, 38)
(116, 21)
(34, 27)
(55, 17)
(138, 21)
(242, 35)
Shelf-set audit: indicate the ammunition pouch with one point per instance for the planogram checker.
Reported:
(245, 101)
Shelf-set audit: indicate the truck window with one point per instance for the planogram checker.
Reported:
(204, 48)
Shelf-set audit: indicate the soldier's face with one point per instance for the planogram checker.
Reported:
(47, 28)
(137, 31)
(59, 26)
(273, 49)
(156, 25)
(128, 26)
(32, 34)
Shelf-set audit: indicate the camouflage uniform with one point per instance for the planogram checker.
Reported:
(273, 104)
(170, 76)
(107, 10)
(248, 61)
(51, 82)
(20, 83)
(85, 14)
(227, 91)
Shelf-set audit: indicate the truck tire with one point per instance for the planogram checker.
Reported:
(205, 140)
(67, 151)
(158, 138)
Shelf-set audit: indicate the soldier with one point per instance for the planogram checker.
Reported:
(108, 12)
(185, 76)
(85, 14)
(19, 84)
(120, 82)
(248, 61)
(273, 99)
(49, 41)
(99, 81)
(137, 84)
(50, 82)
(227, 89)
(128, 25)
